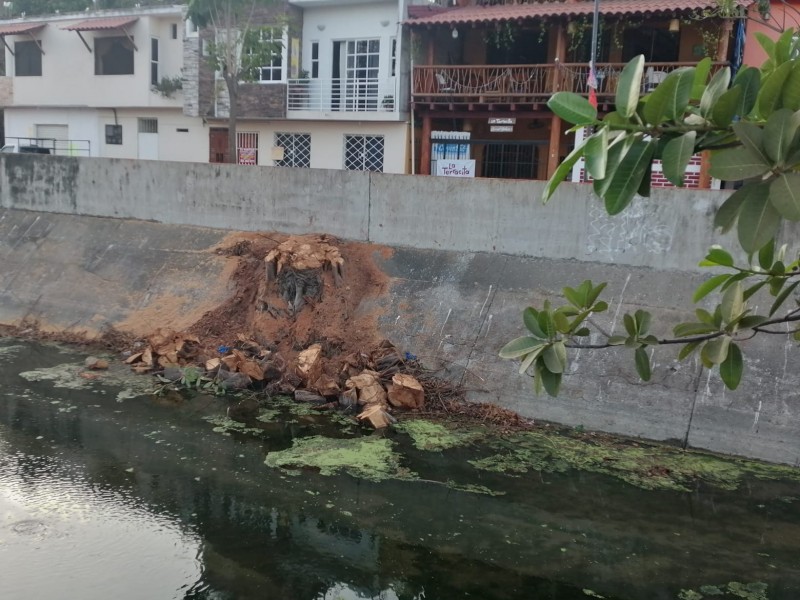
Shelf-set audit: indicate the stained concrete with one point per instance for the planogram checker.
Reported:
(468, 257)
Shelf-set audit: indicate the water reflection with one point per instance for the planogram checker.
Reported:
(95, 491)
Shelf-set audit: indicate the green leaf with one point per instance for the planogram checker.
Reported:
(677, 154)
(752, 138)
(766, 255)
(594, 293)
(732, 304)
(687, 329)
(784, 193)
(520, 347)
(688, 349)
(643, 319)
(628, 175)
(616, 152)
(766, 42)
(782, 298)
(751, 321)
(790, 95)
(715, 351)
(642, 364)
(726, 107)
(575, 297)
(546, 323)
(583, 332)
(715, 88)
(561, 320)
(617, 340)
(729, 211)
(630, 325)
(779, 133)
(551, 382)
(730, 369)
(601, 306)
(749, 80)
(701, 72)
(562, 171)
(783, 46)
(573, 108)
(769, 99)
(758, 220)
(630, 82)
(717, 256)
(753, 289)
(670, 98)
(528, 360)
(597, 153)
(555, 357)
(733, 164)
(706, 317)
(529, 318)
(708, 286)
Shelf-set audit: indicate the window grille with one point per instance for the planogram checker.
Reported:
(148, 125)
(363, 153)
(247, 147)
(296, 150)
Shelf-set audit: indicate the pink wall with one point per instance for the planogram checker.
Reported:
(782, 17)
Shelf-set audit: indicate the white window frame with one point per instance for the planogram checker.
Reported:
(284, 40)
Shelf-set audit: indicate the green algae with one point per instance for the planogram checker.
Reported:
(733, 589)
(435, 437)
(370, 458)
(227, 425)
(645, 466)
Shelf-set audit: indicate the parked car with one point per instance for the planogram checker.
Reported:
(14, 149)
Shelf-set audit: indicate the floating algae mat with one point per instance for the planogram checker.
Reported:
(366, 457)
(435, 437)
(646, 466)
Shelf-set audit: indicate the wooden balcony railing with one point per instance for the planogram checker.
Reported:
(525, 84)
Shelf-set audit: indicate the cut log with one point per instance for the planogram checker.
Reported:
(368, 386)
(326, 386)
(309, 363)
(406, 392)
(377, 415)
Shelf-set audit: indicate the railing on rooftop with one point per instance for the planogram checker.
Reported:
(342, 95)
(526, 83)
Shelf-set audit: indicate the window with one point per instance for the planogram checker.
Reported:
(27, 59)
(264, 52)
(113, 56)
(247, 147)
(363, 153)
(153, 61)
(314, 60)
(296, 150)
(361, 73)
(394, 57)
(148, 125)
(114, 135)
(174, 31)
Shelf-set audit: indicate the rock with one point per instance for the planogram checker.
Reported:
(327, 386)
(306, 396)
(172, 373)
(244, 410)
(377, 415)
(406, 392)
(98, 364)
(233, 381)
(369, 388)
(273, 369)
(309, 363)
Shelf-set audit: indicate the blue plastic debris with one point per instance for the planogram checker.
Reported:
(410, 356)
(224, 349)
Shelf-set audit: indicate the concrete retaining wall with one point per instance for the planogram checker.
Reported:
(469, 256)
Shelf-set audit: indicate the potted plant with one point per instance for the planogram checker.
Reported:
(388, 102)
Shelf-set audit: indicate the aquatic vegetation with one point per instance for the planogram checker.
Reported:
(65, 375)
(227, 425)
(643, 465)
(366, 457)
(733, 589)
(436, 437)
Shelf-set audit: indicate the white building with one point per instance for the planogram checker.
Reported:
(102, 84)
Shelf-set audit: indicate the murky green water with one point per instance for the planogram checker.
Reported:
(111, 495)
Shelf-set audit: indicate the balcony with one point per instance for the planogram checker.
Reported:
(522, 87)
(346, 99)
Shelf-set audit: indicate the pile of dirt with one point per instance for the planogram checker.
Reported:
(295, 323)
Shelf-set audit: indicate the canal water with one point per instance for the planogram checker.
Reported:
(108, 493)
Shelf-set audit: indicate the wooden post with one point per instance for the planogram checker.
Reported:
(430, 53)
(425, 147)
(554, 151)
(724, 40)
(704, 182)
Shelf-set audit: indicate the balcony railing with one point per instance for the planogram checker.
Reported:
(343, 95)
(521, 84)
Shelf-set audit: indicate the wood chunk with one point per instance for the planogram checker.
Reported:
(326, 386)
(377, 415)
(406, 392)
(309, 363)
(369, 387)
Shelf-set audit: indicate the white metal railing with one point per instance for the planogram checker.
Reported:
(343, 95)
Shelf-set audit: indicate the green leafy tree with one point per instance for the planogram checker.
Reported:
(238, 48)
(751, 128)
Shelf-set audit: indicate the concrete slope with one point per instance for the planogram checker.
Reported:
(452, 309)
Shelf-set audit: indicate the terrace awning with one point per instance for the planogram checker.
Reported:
(107, 24)
(21, 29)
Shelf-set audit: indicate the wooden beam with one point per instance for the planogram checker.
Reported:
(704, 182)
(84, 41)
(37, 42)
(555, 146)
(425, 147)
(130, 38)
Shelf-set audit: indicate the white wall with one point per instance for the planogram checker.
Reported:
(327, 141)
(68, 77)
(81, 123)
